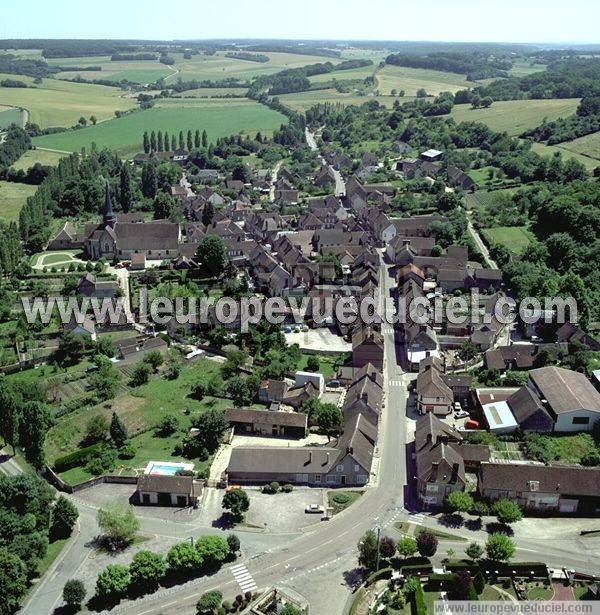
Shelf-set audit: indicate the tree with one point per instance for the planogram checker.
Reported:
(82, 121)
(406, 546)
(13, 581)
(421, 93)
(113, 581)
(208, 213)
(427, 543)
(474, 551)
(212, 425)
(74, 593)
(507, 511)
(125, 193)
(163, 205)
(173, 143)
(237, 503)
(155, 359)
(35, 422)
(159, 141)
(71, 350)
(328, 417)
(96, 429)
(197, 139)
(147, 569)
(209, 602)
(181, 140)
(105, 347)
(146, 143)
(184, 558)
(118, 431)
(153, 141)
(212, 255)
(213, 550)
(199, 390)
(461, 585)
(290, 609)
(10, 416)
(141, 374)
(239, 392)
(234, 543)
(312, 364)
(64, 517)
(118, 523)
(149, 180)
(499, 547)
(486, 102)
(189, 141)
(467, 351)
(387, 547)
(167, 426)
(367, 550)
(104, 381)
(460, 501)
(204, 139)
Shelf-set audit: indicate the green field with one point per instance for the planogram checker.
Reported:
(588, 146)
(548, 150)
(515, 238)
(301, 101)
(9, 115)
(521, 68)
(60, 103)
(516, 116)
(412, 79)
(12, 198)
(211, 92)
(30, 157)
(219, 118)
(355, 73)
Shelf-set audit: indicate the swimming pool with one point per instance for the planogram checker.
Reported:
(166, 468)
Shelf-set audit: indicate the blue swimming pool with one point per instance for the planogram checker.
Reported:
(166, 469)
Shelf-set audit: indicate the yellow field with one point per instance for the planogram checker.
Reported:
(516, 116)
(60, 103)
(301, 101)
(412, 79)
(30, 157)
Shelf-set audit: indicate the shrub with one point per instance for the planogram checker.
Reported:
(209, 602)
(287, 488)
(480, 508)
(76, 458)
(74, 592)
(271, 488)
(127, 452)
(340, 498)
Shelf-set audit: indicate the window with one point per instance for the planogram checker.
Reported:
(581, 420)
(331, 479)
(339, 468)
(356, 467)
(317, 478)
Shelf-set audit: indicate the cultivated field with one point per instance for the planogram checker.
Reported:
(356, 73)
(60, 103)
(515, 238)
(412, 79)
(211, 92)
(522, 68)
(219, 118)
(589, 145)
(515, 116)
(12, 198)
(30, 157)
(301, 101)
(9, 115)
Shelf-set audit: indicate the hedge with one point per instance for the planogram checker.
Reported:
(418, 606)
(384, 573)
(77, 458)
(417, 569)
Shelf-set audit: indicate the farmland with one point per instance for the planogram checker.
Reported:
(515, 238)
(565, 149)
(589, 146)
(412, 79)
(522, 67)
(301, 101)
(516, 116)
(219, 117)
(9, 115)
(30, 157)
(60, 103)
(12, 198)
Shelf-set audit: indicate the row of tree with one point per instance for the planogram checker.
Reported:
(159, 142)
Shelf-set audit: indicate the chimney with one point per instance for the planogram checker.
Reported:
(349, 450)
(309, 456)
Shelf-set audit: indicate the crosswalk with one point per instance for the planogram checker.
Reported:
(395, 383)
(243, 577)
(416, 518)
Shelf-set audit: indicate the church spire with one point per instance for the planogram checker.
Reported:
(108, 216)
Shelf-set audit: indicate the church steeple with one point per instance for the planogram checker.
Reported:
(108, 216)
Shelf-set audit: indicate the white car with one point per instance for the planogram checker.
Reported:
(315, 509)
(461, 414)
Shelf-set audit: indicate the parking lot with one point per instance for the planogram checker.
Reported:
(320, 340)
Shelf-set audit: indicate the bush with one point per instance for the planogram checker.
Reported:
(127, 452)
(76, 458)
(340, 498)
(271, 488)
(287, 488)
(480, 508)
(383, 573)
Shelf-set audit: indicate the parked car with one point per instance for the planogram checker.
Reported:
(334, 384)
(315, 509)
(457, 406)
(304, 328)
(462, 414)
(287, 329)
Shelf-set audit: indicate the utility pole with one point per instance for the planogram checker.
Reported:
(378, 542)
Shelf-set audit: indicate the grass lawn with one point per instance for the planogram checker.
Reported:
(54, 549)
(515, 238)
(541, 591)
(326, 364)
(589, 146)
(349, 496)
(44, 157)
(521, 68)
(404, 527)
(12, 198)
(548, 150)
(569, 449)
(219, 118)
(490, 592)
(9, 115)
(516, 116)
(60, 103)
(412, 79)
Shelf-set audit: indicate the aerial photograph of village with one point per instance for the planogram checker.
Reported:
(300, 307)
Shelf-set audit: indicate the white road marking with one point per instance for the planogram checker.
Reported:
(243, 577)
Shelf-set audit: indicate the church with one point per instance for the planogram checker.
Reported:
(120, 238)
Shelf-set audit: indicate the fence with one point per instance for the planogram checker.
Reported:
(61, 485)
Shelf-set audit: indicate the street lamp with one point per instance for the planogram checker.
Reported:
(378, 546)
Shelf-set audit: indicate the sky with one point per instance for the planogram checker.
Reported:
(541, 21)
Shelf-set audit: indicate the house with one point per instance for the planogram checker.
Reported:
(420, 342)
(431, 155)
(515, 356)
(420, 246)
(571, 333)
(66, 239)
(499, 418)
(131, 349)
(181, 491)
(296, 396)
(367, 347)
(433, 394)
(364, 397)
(301, 378)
(459, 179)
(85, 327)
(569, 397)
(441, 459)
(90, 286)
(529, 412)
(272, 391)
(268, 422)
(542, 488)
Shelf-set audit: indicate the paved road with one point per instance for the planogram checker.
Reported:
(340, 184)
(273, 181)
(480, 244)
